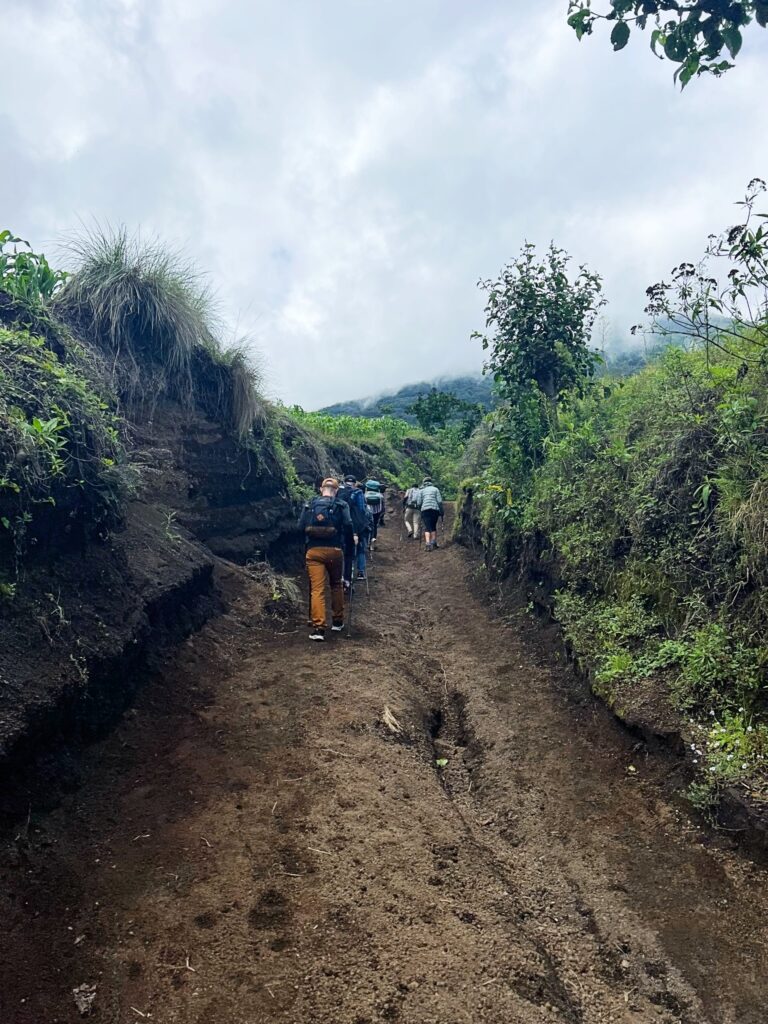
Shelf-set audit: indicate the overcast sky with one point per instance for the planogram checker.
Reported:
(346, 170)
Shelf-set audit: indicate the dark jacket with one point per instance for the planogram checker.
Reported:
(357, 510)
(340, 518)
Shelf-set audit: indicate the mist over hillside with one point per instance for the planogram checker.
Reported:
(473, 388)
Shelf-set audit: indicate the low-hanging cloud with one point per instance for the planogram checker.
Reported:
(346, 171)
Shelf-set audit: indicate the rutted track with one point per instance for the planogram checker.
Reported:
(255, 844)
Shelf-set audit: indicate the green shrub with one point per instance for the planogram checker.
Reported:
(27, 275)
(60, 453)
(649, 507)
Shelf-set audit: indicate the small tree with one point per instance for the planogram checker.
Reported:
(437, 409)
(539, 324)
(692, 33)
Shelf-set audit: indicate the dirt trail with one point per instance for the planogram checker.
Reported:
(254, 844)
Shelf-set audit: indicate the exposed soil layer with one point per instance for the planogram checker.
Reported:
(76, 639)
(255, 843)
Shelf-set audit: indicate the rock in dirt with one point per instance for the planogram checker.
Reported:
(85, 996)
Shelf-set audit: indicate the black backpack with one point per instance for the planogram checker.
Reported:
(324, 519)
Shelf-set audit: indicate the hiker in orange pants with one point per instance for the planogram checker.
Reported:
(327, 527)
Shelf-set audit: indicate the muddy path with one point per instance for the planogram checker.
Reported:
(255, 844)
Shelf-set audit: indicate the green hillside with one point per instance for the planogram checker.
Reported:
(472, 388)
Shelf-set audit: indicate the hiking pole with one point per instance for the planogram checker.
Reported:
(351, 595)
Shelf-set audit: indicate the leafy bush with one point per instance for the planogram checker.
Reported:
(60, 453)
(649, 510)
(27, 275)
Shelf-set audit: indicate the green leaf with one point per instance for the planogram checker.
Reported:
(441, 762)
(620, 35)
(733, 40)
(687, 71)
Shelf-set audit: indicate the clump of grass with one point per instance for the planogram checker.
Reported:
(139, 298)
(151, 309)
(233, 385)
(283, 593)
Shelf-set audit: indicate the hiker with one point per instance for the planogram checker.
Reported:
(327, 526)
(366, 539)
(431, 508)
(374, 499)
(354, 552)
(412, 515)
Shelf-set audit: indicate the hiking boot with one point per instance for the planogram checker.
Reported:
(337, 627)
(361, 575)
(317, 634)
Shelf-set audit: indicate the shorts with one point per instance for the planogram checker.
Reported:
(429, 517)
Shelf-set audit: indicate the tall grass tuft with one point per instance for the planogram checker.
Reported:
(150, 308)
(235, 385)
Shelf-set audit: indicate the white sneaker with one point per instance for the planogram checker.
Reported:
(337, 629)
(317, 634)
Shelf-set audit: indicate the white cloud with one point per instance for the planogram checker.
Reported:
(346, 171)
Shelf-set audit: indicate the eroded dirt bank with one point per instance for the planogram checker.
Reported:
(254, 844)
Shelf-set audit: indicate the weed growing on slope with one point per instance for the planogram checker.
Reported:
(60, 453)
(27, 275)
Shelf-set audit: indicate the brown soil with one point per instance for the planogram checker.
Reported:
(255, 844)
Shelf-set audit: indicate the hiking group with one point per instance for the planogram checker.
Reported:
(341, 527)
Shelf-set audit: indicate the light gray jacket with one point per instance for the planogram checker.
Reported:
(430, 498)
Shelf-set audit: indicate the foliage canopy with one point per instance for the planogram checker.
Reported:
(694, 34)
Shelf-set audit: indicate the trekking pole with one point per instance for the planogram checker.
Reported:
(351, 595)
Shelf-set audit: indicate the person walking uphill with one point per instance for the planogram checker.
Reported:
(431, 508)
(354, 498)
(327, 527)
(412, 515)
(374, 499)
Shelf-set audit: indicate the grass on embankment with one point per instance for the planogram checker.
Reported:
(398, 452)
(649, 513)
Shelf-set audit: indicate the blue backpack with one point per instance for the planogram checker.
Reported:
(324, 519)
(354, 498)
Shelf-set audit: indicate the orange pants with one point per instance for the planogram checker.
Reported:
(322, 561)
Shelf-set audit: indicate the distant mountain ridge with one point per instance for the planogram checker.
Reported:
(471, 388)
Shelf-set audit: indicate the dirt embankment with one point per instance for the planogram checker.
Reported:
(430, 821)
(90, 615)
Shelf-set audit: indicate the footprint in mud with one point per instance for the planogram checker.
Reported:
(293, 862)
(206, 920)
(271, 910)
